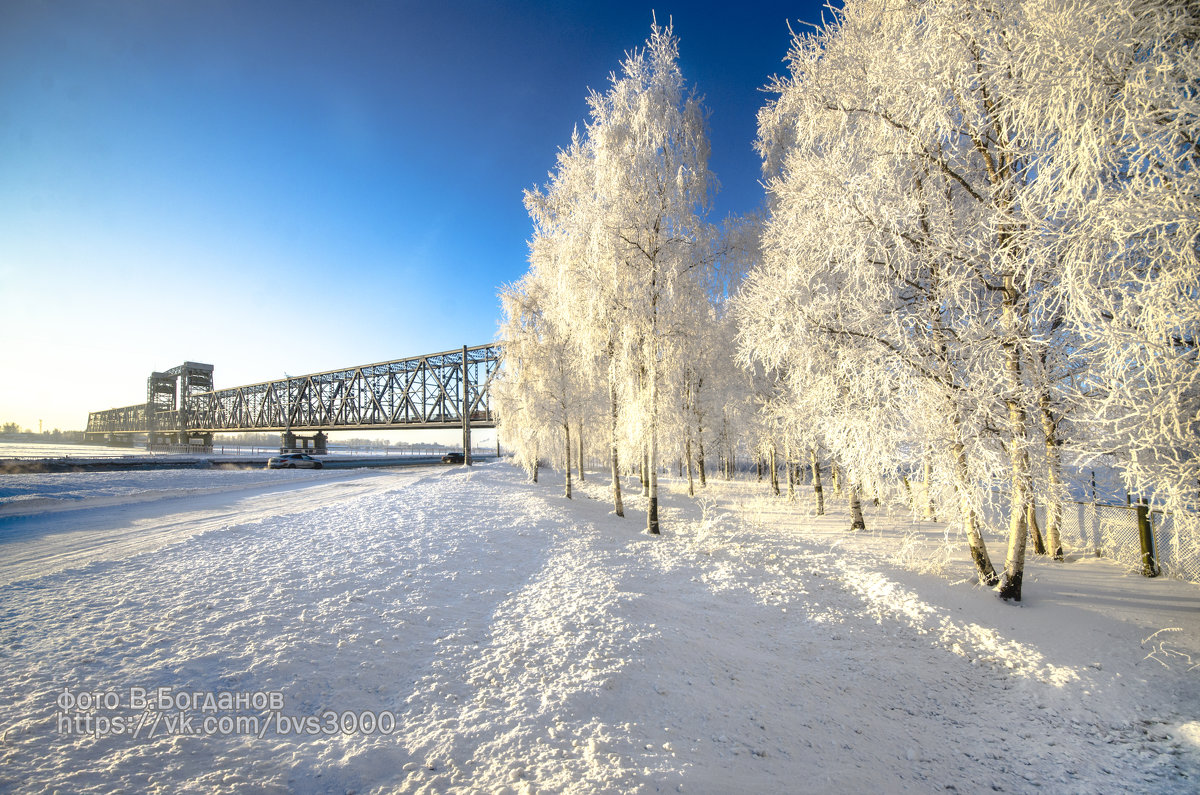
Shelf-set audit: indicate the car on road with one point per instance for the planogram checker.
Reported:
(452, 458)
(294, 461)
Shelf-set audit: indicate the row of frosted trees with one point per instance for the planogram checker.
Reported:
(978, 261)
(616, 332)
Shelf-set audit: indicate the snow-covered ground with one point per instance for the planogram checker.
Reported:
(480, 633)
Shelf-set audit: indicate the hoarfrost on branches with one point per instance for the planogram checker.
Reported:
(977, 263)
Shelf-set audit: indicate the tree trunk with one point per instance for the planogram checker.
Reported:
(1053, 463)
(1035, 532)
(836, 474)
(688, 456)
(930, 511)
(579, 444)
(774, 471)
(978, 549)
(758, 467)
(816, 481)
(700, 461)
(645, 472)
(652, 487)
(791, 475)
(856, 515)
(567, 438)
(618, 507)
(1020, 474)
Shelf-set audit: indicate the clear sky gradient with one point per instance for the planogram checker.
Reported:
(299, 186)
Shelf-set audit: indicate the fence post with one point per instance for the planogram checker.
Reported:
(1149, 561)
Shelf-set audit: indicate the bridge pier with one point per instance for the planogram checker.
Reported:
(292, 443)
(179, 442)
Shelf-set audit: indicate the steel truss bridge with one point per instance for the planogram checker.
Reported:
(434, 391)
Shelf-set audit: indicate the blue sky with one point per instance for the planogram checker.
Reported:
(301, 186)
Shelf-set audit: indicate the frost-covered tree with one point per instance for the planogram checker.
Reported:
(578, 266)
(621, 256)
(860, 263)
(1113, 110)
(998, 200)
(648, 136)
(540, 394)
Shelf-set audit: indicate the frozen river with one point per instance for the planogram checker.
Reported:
(40, 450)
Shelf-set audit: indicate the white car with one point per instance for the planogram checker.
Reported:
(294, 461)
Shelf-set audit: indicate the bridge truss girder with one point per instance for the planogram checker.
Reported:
(418, 392)
(126, 419)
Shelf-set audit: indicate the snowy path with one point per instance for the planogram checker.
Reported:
(526, 643)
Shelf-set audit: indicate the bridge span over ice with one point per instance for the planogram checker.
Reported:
(434, 391)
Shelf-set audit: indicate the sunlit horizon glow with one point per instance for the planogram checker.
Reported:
(299, 187)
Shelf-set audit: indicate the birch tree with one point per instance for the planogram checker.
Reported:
(649, 139)
(541, 390)
(1008, 191)
(1113, 109)
(569, 210)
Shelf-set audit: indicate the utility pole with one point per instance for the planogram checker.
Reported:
(466, 410)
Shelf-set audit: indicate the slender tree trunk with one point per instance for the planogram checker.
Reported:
(836, 474)
(984, 569)
(699, 432)
(726, 451)
(774, 471)
(816, 480)
(567, 439)
(618, 506)
(536, 462)
(758, 466)
(930, 511)
(688, 456)
(1035, 532)
(652, 489)
(645, 472)
(1053, 463)
(1020, 474)
(579, 444)
(856, 514)
(791, 475)
(979, 553)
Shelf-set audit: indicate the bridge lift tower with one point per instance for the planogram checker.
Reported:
(167, 396)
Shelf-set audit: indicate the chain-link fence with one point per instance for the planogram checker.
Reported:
(1112, 531)
(1177, 546)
